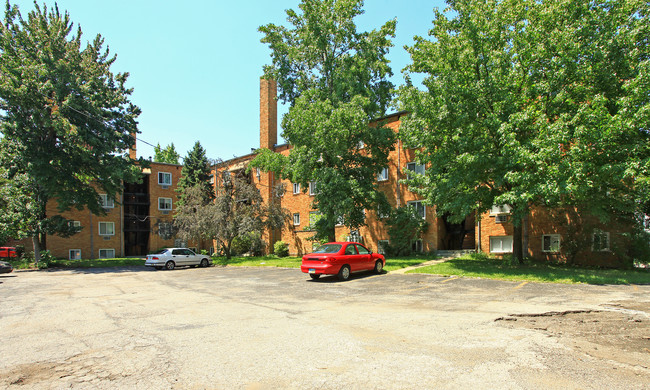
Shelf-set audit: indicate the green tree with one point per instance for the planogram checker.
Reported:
(167, 155)
(238, 210)
(336, 81)
(196, 172)
(405, 226)
(532, 103)
(67, 120)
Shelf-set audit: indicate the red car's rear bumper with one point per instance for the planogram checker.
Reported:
(319, 268)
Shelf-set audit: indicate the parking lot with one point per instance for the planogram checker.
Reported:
(268, 328)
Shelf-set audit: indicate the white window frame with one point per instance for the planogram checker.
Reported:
(164, 228)
(501, 218)
(500, 248)
(165, 174)
(99, 254)
(593, 241)
(106, 202)
(500, 209)
(312, 188)
(296, 188)
(296, 219)
(74, 223)
(164, 199)
(383, 174)
(381, 246)
(414, 203)
(553, 238)
(415, 168)
(77, 255)
(106, 224)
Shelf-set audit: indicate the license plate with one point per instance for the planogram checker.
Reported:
(312, 270)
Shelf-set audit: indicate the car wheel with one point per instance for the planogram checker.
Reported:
(314, 276)
(204, 263)
(344, 273)
(379, 266)
(170, 265)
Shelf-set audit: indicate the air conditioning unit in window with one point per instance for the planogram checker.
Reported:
(165, 187)
(165, 212)
(501, 218)
(107, 238)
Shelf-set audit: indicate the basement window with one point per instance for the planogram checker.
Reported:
(501, 244)
(551, 243)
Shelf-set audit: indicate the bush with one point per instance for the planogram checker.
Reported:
(247, 243)
(281, 249)
(46, 259)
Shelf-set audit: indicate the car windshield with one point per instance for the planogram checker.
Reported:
(328, 248)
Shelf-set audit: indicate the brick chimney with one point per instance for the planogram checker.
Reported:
(268, 114)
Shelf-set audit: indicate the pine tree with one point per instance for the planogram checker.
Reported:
(196, 172)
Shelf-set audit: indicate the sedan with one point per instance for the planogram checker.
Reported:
(341, 259)
(170, 258)
(5, 267)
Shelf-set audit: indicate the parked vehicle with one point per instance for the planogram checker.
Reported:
(341, 259)
(7, 252)
(171, 258)
(5, 267)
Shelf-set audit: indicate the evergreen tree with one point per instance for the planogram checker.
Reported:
(196, 173)
(167, 155)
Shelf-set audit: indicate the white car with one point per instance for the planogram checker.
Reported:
(171, 258)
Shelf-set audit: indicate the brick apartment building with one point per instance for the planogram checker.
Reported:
(141, 221)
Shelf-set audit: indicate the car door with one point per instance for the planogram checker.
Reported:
(192, 257)
(352, 257)
(365, 257)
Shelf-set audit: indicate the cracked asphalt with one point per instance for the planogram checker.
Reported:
(269, 328)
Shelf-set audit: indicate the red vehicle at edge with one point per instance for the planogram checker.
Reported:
(7, 252)
(341, 259)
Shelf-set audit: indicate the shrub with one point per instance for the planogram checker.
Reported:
(281, 249)
(404, 227)
(247, 243)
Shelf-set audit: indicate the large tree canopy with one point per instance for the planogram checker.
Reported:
(336, 81)
(168, 154)
(66, 119)
(532, 103)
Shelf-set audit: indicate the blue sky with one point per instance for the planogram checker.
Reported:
(195, 65)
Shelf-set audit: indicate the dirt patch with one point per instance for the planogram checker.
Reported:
(619, 332)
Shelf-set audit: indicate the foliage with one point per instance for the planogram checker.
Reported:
(404, 227)
(336, 81)
(250, 243)
(66, 119)
(195, 173)
(532, 103)
(167, 155)
(481, 266)
(281, 249)
(237, 210)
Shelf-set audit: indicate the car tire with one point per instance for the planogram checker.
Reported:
(314, 276)
(204, 263)
(170, 265)
(344, 273)
(379, 266)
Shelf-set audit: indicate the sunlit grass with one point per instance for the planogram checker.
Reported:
(260, 261)
(481, 266)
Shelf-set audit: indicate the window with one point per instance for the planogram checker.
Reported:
(415, 168)
(107, 228)
(382, 175)
(340, 221)
(296, 188)
(361, 145)
(420, 208)
(314, 216)
(551, 243)
(164, 178)
(180, 243)
(362, 250)
(165, 204)
(106, 253)
(501, 218)
(600, 241)
(312, 188)
(350, 250)
(74, 254)
(416, 246)
(165, 230)
(296, 219)
(500, 209)
(382, 245)
(75, 224)
(106, 202)
(501, 244)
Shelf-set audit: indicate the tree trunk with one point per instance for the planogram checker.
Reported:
(517, 242)
(37, 248)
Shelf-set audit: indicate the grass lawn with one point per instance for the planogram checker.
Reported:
(403, 262)
(260, 261)
(96, 263)
(481, 266)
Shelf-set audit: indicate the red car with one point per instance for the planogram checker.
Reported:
(341, 259)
